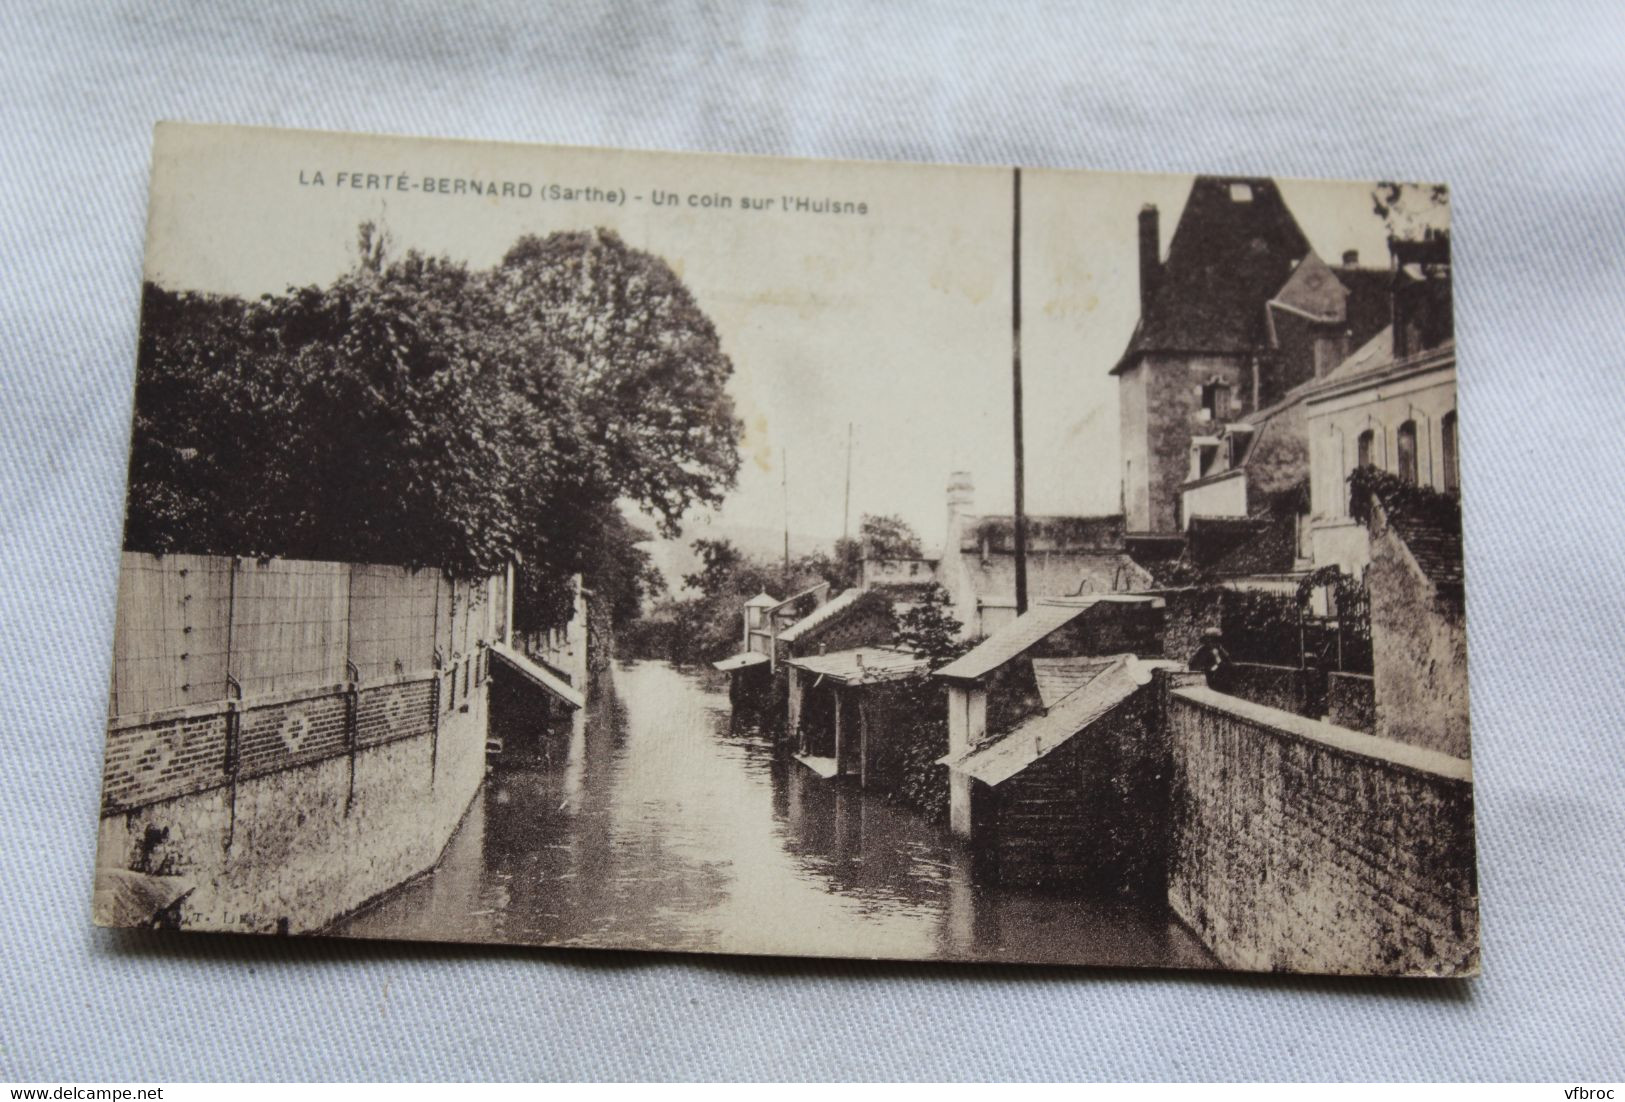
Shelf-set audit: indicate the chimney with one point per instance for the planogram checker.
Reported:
(1351, 258)
(1150, 256)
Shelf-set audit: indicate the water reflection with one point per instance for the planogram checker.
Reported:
(662, 822)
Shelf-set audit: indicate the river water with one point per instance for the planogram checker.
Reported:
(661, 822)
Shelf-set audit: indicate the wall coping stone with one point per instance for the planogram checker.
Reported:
(1340, 739)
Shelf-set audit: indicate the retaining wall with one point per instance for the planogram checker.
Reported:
(1307, 847)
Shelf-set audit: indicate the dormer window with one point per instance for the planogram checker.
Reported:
(1241, 193)
(1204, 453)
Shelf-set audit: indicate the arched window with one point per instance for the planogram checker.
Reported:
(1448, 453)
(1365, 446)
(1405, 441)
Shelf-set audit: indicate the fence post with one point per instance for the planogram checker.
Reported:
(352, 708)
(234, 727)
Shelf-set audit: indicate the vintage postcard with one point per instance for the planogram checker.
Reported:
(573, 547)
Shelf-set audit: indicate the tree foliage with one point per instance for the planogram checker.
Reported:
(887, 537)
(930, 631)
(708, 624)
(418, 412)
(1409, 210)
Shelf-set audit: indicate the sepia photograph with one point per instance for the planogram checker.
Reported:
(588, 548)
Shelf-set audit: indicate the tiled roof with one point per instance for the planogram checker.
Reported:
(1227, 258)
(862, 665)
(1045, 732)
(1060, 677)
(1026, 631)
(1376, 352)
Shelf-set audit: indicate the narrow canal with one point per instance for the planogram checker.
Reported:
(659, 822)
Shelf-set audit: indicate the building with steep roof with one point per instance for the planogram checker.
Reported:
(1259, 463)
(1193, 362)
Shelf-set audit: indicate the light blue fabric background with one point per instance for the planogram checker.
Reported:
(1521, 108)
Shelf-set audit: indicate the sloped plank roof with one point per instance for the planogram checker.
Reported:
(1045, 732)
(740, 661)
(861, 665)
(538, 676)
(1027, 630)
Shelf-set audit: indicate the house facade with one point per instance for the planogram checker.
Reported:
(1067, 556)
(1397, 413)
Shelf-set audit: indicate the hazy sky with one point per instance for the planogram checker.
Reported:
(896, 321)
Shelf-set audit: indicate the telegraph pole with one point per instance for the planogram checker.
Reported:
(846, 508)
(1015, 365)
(784, 465)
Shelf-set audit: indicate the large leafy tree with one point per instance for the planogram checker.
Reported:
(418, 412)
(646, 366)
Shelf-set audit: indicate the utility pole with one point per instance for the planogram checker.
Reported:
(846, 508)
(1015, 349)
(784, 464)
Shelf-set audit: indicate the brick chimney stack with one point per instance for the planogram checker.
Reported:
(1351, 258)
(1150, 256)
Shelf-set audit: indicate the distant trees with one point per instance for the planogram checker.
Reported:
(887, 537)
(417, 412)
(706, 624)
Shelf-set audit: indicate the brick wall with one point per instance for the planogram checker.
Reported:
(299, 838)
(1308, 847)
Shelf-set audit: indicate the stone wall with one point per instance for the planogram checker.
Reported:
(1307, 847)
(1187, 613)
(1173, 406)
(1418, 651)
(1351, 701)
(1289, 688)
